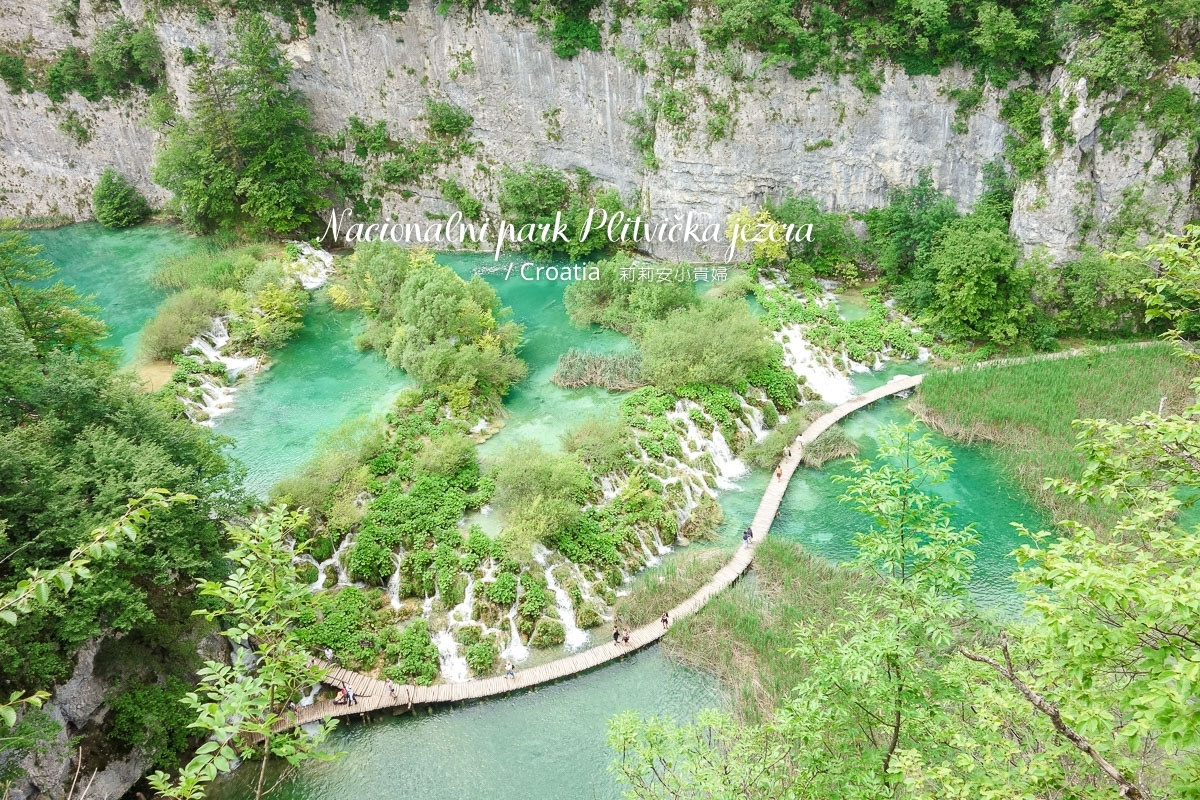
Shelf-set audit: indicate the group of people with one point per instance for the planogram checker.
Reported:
(619, 636)
(748, 536)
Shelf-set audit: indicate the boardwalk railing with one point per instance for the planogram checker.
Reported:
(372, 694)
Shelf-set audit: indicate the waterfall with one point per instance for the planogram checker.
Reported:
(819, 374)
(313, 266)
(454, 666)
(575, 637)
(515, 652)
(393, 586)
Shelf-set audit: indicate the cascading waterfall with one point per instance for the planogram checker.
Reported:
(830, 383)
(575, 637)
(454, 666)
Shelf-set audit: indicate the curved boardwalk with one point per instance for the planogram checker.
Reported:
(373, 695)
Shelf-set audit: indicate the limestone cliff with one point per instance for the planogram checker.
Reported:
(820, 136)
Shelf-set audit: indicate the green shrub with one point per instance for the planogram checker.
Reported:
(153, 718)
(178, 320)
(503, 590)
(14, 71)
(481, 657)
(116, 202)
(547, 633)
(446, 119)
(418, 656)
(71, 73)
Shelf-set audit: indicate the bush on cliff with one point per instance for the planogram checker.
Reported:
(116, 202)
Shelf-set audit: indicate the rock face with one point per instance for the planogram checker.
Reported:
(821, 136)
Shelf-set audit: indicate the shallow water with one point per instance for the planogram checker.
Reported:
(315, 383)
(547, 744)
(115, 266)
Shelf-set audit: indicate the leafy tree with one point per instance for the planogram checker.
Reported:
(686, 347)
(615, 300)
(1173, 294)
(246, 156)
(116, 202)
(125, 55)
(451, 335)
(418, 656)
(51, 317)
(901, 234)
(982, 292)
(243, 704)
(536, 195)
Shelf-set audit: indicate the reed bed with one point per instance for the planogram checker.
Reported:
(1026, 410)
(661, 589)
(742, 634)
(618, 372)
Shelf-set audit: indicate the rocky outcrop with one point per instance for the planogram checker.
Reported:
(820, 136)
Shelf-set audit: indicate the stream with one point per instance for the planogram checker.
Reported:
(547, 743)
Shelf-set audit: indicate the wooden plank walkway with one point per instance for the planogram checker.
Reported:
(372, 694)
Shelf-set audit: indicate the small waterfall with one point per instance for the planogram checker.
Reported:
(575, 637)
(515, 652)
(454, 666)
(754, 421)
(819, 374)
(728, 465)
(313, 266)
(393, 586)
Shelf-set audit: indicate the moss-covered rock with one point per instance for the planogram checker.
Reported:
(547, 633)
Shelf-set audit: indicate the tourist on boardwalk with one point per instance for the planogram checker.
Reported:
(625, 637)
(779, 472)
(748, 535)
(340, 700)
(328, 655)
(350, 697)
(787, 452)
(391, 687)
(616, 634)
(666, 620)
(508, 670)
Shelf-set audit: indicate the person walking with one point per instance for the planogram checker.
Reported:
(350, 699)
(508, 670)
(391, 687)
(666, 620)
(747, 535)
(625, 637)
(328, 655)
(616, 634)
(779, 473)
(787, 452)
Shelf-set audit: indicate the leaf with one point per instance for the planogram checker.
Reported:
(9, 616)
(9, 715)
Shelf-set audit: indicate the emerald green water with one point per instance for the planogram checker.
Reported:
(537, 409)
(548, 743)
(115, 266)
(316, 383)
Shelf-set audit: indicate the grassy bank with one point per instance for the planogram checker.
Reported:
(1026, 409)
(741, 634)
(657, 590)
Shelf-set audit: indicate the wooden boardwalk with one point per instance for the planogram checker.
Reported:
(372, 694)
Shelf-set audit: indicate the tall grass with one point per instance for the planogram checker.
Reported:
(222, 268)
(618, 372)
(1026, 409)
(661, 589)
(180, 318)
(742, 633)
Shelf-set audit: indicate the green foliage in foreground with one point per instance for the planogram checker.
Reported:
(1026, 410)
(903, 692)
(242, 704)
(116, 202)
(77, 440)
